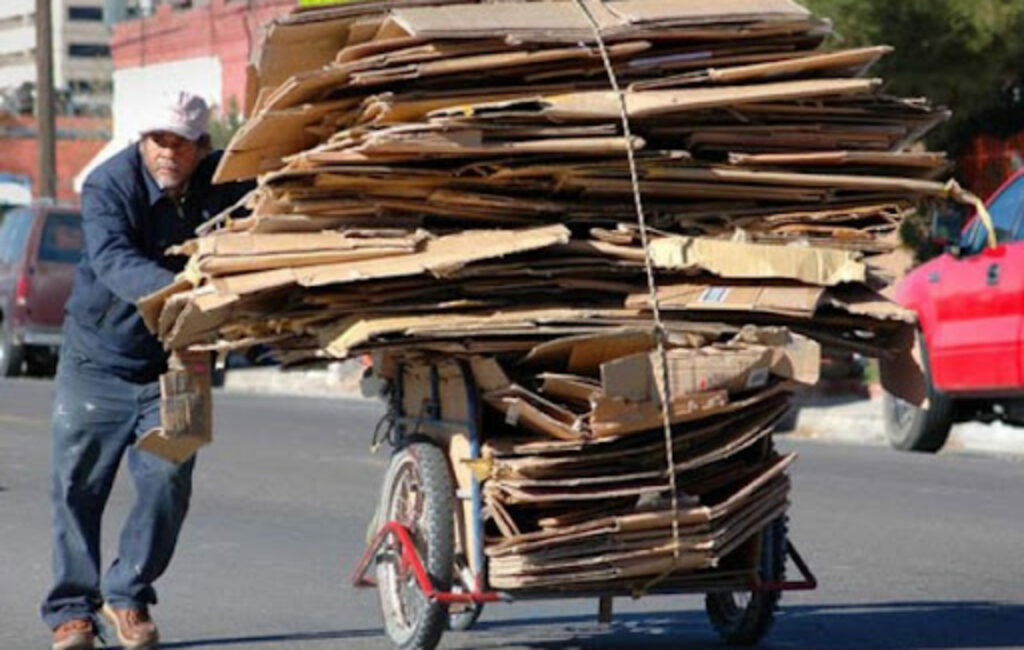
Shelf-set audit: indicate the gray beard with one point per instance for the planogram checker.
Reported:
(173, 191)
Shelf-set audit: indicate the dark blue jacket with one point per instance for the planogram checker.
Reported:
(129, 223)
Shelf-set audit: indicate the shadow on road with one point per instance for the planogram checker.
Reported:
(894, 626)
(274, 640)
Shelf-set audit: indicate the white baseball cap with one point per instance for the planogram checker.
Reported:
(178, 112)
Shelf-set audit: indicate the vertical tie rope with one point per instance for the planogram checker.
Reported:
(661, 335)
(955, 192)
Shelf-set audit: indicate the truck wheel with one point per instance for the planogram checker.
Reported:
(418, 494)
(40, 362)
(789, 420)
(743, 618)
(911, 428)
(12, 355)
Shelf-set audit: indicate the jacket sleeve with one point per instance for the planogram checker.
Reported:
(115, 256)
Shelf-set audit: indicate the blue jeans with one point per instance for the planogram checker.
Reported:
(96, 418)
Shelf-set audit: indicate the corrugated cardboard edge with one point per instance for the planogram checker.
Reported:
(731, 259)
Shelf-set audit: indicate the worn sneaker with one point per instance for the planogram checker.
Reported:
(135, 629)
(76, 634)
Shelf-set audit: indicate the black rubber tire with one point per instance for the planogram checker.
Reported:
(744, 618)
(910, 428)
(40, 362)
(418, 493)
(12, 356)
(789, 420)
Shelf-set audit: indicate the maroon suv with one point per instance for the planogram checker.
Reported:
(39, 248)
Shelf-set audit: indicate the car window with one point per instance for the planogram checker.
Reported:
(1018, 230)
(13, 234)
(1006, 210)
(62, 238)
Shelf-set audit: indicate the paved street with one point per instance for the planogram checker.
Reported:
(911, 551)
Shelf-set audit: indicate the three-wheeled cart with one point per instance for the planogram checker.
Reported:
(426, 554)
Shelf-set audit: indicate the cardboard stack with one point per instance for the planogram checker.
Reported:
(447, 186)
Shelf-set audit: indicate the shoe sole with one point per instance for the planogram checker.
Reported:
(110, 618)
(72, 644)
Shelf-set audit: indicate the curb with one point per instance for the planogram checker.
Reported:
(337, 379)
(859, 421)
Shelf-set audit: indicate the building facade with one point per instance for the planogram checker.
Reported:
(82, 64)
(79, 139)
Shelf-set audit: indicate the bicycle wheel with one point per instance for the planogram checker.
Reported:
(744, 617)
(418, 494)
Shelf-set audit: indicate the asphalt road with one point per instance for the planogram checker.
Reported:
(911, 551)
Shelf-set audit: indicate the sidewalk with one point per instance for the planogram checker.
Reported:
(846, 419)
(859, 421)
(338, 379)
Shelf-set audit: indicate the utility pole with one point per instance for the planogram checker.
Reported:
(45, 117)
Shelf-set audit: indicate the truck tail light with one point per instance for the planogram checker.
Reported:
(21, 290)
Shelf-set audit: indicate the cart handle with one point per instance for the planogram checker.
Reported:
(398, 535)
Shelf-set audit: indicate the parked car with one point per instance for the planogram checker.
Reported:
(39, 248)
(970, 307)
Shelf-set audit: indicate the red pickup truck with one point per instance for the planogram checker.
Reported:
(39, 248)
(970, 307)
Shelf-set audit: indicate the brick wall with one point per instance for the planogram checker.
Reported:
(79, 139)
(989, 161)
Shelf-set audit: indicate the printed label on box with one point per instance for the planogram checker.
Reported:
(512, 415)
(758, 377)
(714, 294)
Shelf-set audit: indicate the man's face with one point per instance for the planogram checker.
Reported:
(170, 158)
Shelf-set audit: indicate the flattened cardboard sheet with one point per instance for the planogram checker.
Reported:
(739, 260)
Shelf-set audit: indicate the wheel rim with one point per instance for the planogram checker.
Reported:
(735, 603)
(402, 599)
(902, 413)
(901, 416)
(462, 583)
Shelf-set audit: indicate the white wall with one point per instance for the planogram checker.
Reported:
(17, 36)
(135, 87)
(60, 43)
(15, 75)
(17, 39)
(17, 7)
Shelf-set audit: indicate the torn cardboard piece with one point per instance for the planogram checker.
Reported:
(186, 409)
(731, 259)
